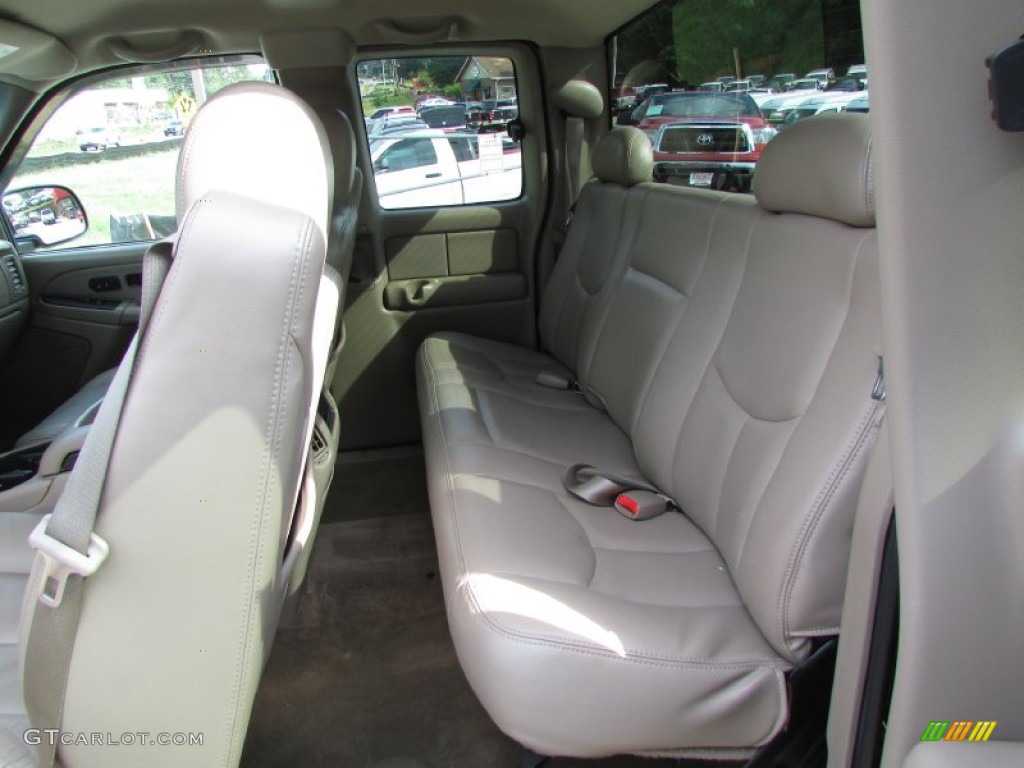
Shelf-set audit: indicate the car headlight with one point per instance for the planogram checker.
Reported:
(764, 135)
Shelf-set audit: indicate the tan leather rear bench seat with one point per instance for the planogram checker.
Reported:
(726, 347)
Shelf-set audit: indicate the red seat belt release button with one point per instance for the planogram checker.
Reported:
(641, 505)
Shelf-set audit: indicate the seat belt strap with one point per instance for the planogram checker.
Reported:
(67, 550)
(574, 129)
(632, 498)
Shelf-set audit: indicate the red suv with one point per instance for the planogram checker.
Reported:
(704, 139)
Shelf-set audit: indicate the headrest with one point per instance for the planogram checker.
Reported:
(820, 166)
(579, 99)
(342, 140)
(316, 47)
(261, 141)
(623, 156)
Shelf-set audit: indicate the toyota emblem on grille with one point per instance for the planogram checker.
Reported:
(704, 139)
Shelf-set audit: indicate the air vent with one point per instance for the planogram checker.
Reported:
(15, 276)
(321, 453)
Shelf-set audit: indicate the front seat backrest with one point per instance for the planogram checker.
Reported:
(206, 466)
(341, 230)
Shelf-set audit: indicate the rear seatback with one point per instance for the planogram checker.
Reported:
(731, 346)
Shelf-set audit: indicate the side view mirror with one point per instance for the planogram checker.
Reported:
(44, 216)
(382, 165)
(625, 117)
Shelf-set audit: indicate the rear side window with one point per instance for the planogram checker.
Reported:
(435, 128)
(711, 82)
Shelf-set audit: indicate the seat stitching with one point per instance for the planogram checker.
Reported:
(661, 356)
(842, 466)
(828, 491)
(170, 280)
(272, 441)
(634, 655)
(718, 343)
(728, 462)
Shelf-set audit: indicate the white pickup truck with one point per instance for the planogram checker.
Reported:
(432, 168)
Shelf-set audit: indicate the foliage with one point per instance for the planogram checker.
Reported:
(686, 42)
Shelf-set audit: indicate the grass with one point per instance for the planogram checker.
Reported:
(130, 134)
(142, 184)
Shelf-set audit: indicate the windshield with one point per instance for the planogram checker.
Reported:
(702, 105)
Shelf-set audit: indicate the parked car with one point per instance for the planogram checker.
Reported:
(846, 83)
(401, 124)
(450, 116)
(779, 81)
(174, 128)
(859, 104)
(713, 86)
(739, 85)
(825, 74)
(394, 110)
(815, 105)
(435, 101)
(704, 139)
(432, 168)
(98, 138)
(492, 115)
(806, 84)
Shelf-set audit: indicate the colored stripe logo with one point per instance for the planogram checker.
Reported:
(958, 730)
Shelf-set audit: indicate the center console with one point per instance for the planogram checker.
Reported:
(32, 477)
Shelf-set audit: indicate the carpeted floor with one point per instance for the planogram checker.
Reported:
(376, 484)
(365, 675)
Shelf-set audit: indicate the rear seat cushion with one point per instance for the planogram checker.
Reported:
(584, 610)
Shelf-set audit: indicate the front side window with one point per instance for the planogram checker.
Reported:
(435, 127)
(114, 145)
(711, 82)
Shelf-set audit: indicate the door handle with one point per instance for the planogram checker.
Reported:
(435, 175)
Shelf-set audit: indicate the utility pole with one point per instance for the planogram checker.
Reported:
(199, 87)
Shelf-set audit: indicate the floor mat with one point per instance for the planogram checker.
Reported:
(377, 483)
(365, 675)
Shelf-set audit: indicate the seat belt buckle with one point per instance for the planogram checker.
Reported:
(60, 561)
(558, 381)
(642, 505)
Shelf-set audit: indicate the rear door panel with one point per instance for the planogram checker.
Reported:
(468, 268)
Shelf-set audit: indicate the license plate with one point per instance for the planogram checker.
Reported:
(701, 179)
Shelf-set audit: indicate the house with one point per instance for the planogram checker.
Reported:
(487, 77)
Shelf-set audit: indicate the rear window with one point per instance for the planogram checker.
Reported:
(712, 82)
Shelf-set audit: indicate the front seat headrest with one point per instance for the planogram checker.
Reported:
(293, 167)
(623, 156)
(343, 147)
(820, 166)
